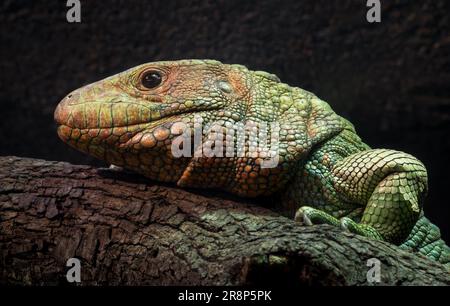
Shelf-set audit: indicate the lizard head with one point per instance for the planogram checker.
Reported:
(139, 118)
(130, 119)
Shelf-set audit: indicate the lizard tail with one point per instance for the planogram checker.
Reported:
(425, 239)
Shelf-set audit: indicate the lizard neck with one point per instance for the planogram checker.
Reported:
(281, 124)
(265, 146)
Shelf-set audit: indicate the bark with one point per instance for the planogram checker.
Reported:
(128, 230)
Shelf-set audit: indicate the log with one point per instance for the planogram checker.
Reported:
(127, 230)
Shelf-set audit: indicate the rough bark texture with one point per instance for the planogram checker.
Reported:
(126, 230)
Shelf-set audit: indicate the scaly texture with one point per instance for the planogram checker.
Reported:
(136, 118)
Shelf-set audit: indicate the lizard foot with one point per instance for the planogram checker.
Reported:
(351, 226)
(309, 216)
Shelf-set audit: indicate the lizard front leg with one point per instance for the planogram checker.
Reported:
(389, 183)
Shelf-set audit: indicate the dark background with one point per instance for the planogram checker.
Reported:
(391, 79)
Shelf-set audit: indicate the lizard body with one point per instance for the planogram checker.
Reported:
(323, 171)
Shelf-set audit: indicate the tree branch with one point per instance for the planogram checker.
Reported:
(127, 230)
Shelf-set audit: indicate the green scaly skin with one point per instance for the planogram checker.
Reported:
(325, 173)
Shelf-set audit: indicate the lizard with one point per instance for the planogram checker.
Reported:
(324, 173)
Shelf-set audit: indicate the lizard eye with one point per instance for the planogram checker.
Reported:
(151, 79)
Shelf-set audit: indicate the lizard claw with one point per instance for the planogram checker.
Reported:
(115, 168)
(347, 224)
(302, 218)
(351, 226)
(309, 216)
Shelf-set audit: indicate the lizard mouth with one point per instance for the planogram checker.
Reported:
(95, 136)
(84, 124)
(121, 137)
(96, 127)
(100, 115)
